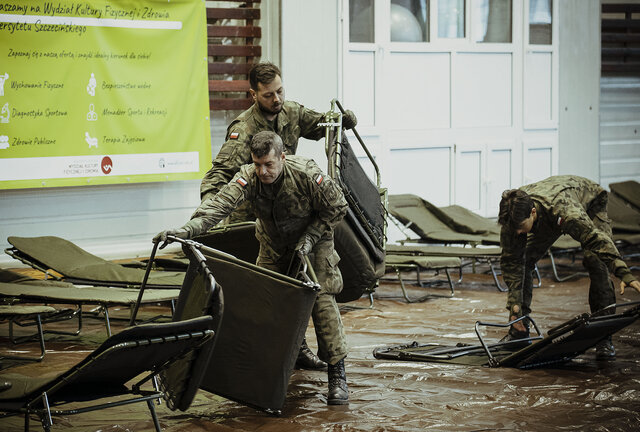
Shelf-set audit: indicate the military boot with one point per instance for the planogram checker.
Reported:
(338, 390)
(605, 350)
(307, 359)
(514, 334)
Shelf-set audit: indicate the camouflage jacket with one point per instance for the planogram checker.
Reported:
(307, 201)
(564, 205)
(293, 122)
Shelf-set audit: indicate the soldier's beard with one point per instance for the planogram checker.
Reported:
(274, 109)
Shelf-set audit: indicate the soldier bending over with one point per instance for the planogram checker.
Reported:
(532, 219)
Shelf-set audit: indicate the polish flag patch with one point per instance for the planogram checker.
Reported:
(319, 179)
(560, 220)
(234, 135)
(242, 182)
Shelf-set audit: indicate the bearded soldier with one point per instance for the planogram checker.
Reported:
(270, 112)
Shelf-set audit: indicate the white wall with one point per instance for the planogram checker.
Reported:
(579, 88)
(455, 121)
(310, 47)
(619, 129)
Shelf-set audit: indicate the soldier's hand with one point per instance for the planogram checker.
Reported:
(349, 120)
(163, 236)
(305, 244)
(634, 284)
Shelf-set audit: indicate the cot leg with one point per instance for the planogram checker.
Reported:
(495, 277)
(404, 291)
(450, 281)
(45, 415)
(539, 284)
(152, 409)
(107, 323)
(39, 335)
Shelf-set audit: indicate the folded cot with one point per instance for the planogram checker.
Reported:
(360, 238)
(561, 344)
(103, 378)
(265, 318)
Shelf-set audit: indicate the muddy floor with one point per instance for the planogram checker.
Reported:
(388, 395)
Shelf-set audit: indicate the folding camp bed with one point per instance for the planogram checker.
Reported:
(624, 217)
(629, 191)
(487, 254)
(418, 263)
(442, 225)
(104, 374)
(360, 238)
(561, 344)
(55, 292)
(265, 318)
(625, 223)
(33, 315)
(80, 267)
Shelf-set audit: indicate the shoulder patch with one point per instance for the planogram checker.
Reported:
(242, 182)
(560, 220)
(318, 179)
(234, 135)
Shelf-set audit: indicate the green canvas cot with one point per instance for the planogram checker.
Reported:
(76, 265)
(561, 344)
(114, 373)
(265, 318)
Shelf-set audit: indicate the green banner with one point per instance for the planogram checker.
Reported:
(102, 92)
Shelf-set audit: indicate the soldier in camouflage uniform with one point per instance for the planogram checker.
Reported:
(297, 209)
(532, 219)
(271, 112)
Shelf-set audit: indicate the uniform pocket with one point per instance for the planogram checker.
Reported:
(328, 273)
(333, 259)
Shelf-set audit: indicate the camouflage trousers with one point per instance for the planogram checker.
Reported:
(601, 289)
(332, 342)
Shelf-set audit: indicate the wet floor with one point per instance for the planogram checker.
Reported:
(388, 395)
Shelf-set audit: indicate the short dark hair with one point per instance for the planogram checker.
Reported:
(263, 73)
(262, 143)
(515, 207)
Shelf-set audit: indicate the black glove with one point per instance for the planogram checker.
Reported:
(305, 244)
(349, 120)
(162, 237)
